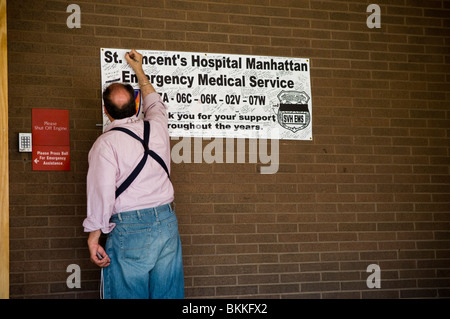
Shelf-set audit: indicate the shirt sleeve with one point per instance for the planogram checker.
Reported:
(155, 108)
(100, 188)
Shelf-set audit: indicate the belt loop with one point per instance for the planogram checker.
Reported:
(139, 215)
(120, 216)
(156, 212)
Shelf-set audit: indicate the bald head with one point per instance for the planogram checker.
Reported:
(119, 101)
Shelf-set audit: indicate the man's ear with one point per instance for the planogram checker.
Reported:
(107, 114)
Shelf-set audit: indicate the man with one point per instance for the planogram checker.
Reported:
(142, 254)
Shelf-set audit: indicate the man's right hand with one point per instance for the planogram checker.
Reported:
(97, 253)
(99, 256)
(134, 59)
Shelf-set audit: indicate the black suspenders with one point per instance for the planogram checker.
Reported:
(147, 152)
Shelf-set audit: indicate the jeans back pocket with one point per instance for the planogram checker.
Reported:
(135, 240)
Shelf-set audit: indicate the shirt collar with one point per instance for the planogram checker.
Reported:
(121, 122)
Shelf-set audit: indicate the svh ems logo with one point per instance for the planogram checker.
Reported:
(293, 113)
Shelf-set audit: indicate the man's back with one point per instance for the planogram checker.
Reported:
(114, 156)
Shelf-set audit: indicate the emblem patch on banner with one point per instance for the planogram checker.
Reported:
(293, 113)
(137, 99)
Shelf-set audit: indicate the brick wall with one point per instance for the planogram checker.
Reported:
(371, 188)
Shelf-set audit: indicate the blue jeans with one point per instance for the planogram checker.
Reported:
(145, 253)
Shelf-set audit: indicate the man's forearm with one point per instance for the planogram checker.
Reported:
(94, 237)
(144, 83)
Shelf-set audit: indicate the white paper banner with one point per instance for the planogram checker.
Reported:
(222, 95)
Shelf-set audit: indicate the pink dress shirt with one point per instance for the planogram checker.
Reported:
(114, 156)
